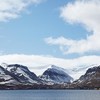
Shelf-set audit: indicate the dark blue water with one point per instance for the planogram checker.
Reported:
(49, 95)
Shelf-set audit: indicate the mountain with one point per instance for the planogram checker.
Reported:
(17, 74)
(56, 75)
(77, 71)
(22, 73)
(91, 79)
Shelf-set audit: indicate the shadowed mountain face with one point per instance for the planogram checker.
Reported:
(56, 75)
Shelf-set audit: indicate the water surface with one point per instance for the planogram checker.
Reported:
(49, 95)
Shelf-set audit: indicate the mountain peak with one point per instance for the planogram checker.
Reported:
(16, 66)
(94, 69)
(56, 74)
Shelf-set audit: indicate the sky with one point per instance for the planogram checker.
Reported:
(39, 32)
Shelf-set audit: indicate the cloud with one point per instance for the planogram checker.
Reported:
(11, 9)
(36, 63)
(87, 13)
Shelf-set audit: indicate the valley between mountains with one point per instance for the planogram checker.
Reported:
(15, 76)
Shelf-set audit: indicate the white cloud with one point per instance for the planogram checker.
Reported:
(11, 9)
(86, 12)
(34, 62)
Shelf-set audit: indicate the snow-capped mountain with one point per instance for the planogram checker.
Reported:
(22, 73)
(77, 71)
(17, 74)
(56, 74)
(91, 73)
(91, 79)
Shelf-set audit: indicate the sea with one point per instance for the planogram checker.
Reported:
(49, 94)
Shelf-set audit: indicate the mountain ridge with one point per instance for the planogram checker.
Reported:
(16, 76)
